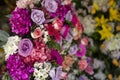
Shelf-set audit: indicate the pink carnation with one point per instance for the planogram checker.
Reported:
(40, 53)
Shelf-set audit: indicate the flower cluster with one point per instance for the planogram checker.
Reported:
(50, 45)
(101, 20)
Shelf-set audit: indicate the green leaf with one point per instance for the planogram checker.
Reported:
(52, 44)
(6, 76)
(3, 36)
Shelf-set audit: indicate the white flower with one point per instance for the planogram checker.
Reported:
(45, 38)
(25, 3)
(11, 46)
(100, 76)
(98, 64)
(113, 43)
(89, 25)
(41, 70)
(102, 4)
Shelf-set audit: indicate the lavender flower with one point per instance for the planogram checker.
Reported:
(20, 21)
(50, 5)
(25, 47)
(73, 49)
(83, 77)
(55, 73)
(37, 16)
(17, 68)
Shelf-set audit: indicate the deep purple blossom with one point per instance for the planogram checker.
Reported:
(18, 69)
(82, 51)
(56, 56)
(61, 12)
(20, 21)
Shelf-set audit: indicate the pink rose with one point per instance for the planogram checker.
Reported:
(57, 23)
(82, 64)
(37, 33)
(84, 41)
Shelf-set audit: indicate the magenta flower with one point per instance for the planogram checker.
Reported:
(82, 50)
(50, 5)
(37, 16)
(18, 69)
(25, 47)
(56, 56)
(65, 31)
(20, 21)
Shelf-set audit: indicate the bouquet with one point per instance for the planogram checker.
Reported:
(46, 42)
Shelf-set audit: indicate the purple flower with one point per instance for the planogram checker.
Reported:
(69, 38)
(82, 51)
(68, 16)
(83, 77)
(25, 47)
(61, 12)
(73, 50)
(20, 21)
(65, 30)
(17, 68)
(50, 5)
(37, 16)
(55, 73)
(56, 56)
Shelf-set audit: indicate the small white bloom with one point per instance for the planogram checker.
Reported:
(100, 76)
(11, 46)
(98, 64)
(41, 70)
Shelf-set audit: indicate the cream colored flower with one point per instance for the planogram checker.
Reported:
(11, 46)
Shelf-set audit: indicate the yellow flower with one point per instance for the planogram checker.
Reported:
(114, 14)
(119, 77)
(94, 8)
(118, 28)
(105, 32)
(101, 21)
(112, 3)
(115, 62)
(110, 77)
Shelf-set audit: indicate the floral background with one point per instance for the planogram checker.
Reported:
(101, 21)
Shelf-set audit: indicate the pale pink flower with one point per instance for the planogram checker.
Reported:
(37, 33)
(82, 64)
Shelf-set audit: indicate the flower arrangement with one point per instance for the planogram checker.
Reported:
(101, 21)
(47, 42)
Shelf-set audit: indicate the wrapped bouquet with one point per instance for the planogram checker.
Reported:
(46, 42)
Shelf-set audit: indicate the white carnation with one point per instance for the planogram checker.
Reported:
(11, 46)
